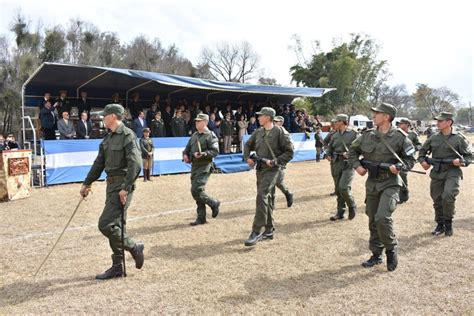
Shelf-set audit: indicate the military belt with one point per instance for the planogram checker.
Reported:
(446, 167)
(114, 179)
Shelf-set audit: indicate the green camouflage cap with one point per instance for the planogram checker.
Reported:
(279, 119)
(333, 121)
(202, 117)
(404, 120)
(443, 116)
(342, 117)
(267, 111)
(112, 109)
(386, 108)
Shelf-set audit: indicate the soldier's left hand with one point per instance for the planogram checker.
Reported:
(197, 155)
(270, 163)
(123, 196)
(394, 169)
(457, 162)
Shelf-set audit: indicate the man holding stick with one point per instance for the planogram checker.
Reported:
(120, 157)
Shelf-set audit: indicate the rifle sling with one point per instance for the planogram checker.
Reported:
(452, 148)
(392, 151)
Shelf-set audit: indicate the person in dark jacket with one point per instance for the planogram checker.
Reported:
(84, 127)
(48, 121)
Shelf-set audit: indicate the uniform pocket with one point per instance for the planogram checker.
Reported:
(367, 147)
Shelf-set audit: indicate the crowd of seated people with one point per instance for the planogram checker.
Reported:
(230, 122)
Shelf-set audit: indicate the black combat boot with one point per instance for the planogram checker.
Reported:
(116, 271)
(352, 212)
(268, 234)
(339, 215)
(289, 199)
(332, 193)
(448, 228)
(137, 254)
(215, 209)
(375, 259)
(253, 239)
(439, 229)
(392, 259)
(198, 221)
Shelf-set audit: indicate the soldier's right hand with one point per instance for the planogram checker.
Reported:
(425, 165)
(328, 158)
(186, 159)
(84, 192)
(250, 162)
(361, 170)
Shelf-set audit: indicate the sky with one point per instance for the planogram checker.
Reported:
(429, 42)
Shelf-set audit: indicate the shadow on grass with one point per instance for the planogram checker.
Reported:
(24, 291)
(409, 244)
(194, 252)
(303, 286)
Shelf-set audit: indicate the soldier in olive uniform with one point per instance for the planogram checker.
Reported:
(120, 158)
(202, 147)
(455, 150)
(280, 184)
(326, 141)
(178, 125)
(337, 152)
(157, 126)
(404, 125)
(391, 146)
(318, 143)
(147, 148)
(273, 144)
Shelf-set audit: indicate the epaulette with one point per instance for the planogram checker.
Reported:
(402, 132)
(368, 130)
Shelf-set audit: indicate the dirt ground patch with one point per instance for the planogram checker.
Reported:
(312, 265)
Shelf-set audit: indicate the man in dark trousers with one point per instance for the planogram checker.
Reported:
(120, 158)
(48, 121)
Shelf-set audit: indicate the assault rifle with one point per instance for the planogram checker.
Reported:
(260, 161)
(437, 162)
(374, 166)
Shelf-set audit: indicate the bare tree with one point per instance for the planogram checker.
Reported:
(230, 62)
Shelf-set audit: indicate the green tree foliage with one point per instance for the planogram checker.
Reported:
(54, 45)
(464, 116)
(429, 102)
(352, 68)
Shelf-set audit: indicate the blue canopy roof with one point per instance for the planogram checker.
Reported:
(102, 82)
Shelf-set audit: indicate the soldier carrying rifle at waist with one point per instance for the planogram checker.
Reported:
(384, 144)
(449, 151)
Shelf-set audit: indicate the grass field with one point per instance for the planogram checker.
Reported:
(312, 265)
